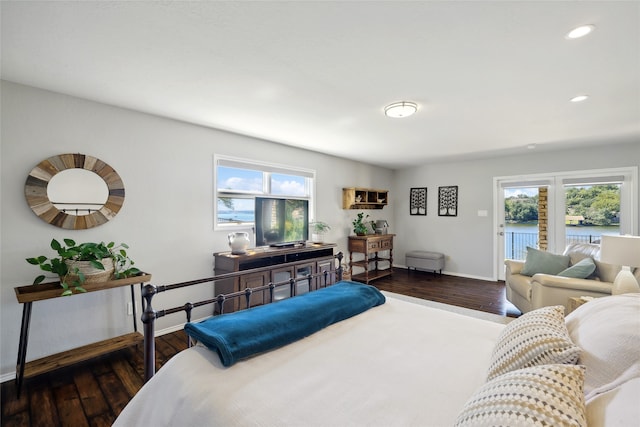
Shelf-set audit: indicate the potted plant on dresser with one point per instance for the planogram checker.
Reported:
(360, 225)
(318, 228)
(84, 263)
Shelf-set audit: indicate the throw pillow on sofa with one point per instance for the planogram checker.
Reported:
(544, 262)
(581, 270)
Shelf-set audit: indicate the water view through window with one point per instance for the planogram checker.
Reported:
(591, 211)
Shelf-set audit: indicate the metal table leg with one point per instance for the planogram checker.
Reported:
(22, 346)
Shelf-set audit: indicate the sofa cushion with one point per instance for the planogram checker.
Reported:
(580, 270)
(607, 272)
(544, 262)
(521, 285)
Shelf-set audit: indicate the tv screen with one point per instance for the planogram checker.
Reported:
(281, 222)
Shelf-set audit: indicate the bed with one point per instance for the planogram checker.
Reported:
(406, 362)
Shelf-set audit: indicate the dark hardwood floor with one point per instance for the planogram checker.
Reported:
(94, 392)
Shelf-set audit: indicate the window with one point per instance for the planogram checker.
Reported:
(237, 182)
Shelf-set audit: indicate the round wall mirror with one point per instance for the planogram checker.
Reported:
(74, 191)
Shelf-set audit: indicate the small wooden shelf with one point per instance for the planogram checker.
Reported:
(364, 198)
(27, 295)
(80, 354)
(50, 290)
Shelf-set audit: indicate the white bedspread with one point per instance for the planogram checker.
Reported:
(398, 364)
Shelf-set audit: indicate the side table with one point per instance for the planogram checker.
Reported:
(27, 295)
(575, 302)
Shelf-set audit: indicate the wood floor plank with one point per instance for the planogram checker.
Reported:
(92, 398)
(69, 406)
(114, 391)
(128, 376)
(43, 410)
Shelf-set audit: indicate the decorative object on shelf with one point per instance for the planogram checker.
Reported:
(625, 251)
(239, 242)
(418, 201)
(65, 177)
(318, 228)
(360, 224)
(364, 198)
(85, 263)
(448, 201)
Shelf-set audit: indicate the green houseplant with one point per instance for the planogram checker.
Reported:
(360, 225)
(76, 261)
(318, 228)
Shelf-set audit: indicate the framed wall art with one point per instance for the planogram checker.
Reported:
(448, 201)
(418, 201)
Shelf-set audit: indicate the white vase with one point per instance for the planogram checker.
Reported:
(238, 242)
(317, 237)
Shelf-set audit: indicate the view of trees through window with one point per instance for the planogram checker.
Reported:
(591, 211)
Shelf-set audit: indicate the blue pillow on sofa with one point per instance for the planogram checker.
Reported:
(580, 270)
(544, 262)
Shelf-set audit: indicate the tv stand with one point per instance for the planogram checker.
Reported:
(295, 260)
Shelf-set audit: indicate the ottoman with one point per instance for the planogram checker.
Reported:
(425, 260)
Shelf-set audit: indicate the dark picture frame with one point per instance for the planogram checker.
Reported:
(448, 200)
(418, 201)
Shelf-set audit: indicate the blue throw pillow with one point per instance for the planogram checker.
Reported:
(544, 262)
(580, 270)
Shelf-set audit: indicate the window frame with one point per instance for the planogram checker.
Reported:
(267, 169)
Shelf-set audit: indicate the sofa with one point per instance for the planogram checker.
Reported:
(533, 289)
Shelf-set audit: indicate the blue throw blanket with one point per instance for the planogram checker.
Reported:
(235, 336)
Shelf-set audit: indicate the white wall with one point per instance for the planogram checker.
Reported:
(166, 219)
(467, 240)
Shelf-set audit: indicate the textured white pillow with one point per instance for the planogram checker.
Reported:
(608, 331)
(616, 408)
(546, 395)
(536, 338)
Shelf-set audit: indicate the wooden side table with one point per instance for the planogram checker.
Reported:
(369, 246)
(27, 295)
(575, 302)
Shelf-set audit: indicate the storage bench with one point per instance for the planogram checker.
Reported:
(425, 260)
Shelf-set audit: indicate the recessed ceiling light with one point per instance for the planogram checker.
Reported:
(579, 98)
(581, 31)
(400, 109)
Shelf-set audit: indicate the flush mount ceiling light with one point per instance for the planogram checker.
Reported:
(400, 109)
(581, 31)
(579, 98)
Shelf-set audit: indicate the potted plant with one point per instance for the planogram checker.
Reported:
(360, 225)
(77, 264)
(318, 228)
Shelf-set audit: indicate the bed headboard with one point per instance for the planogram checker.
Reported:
(220, 302)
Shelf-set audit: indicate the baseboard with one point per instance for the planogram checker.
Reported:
(451, 273)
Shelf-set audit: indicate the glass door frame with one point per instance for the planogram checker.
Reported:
(556, 206)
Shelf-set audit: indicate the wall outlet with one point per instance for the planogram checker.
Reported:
(129, 309)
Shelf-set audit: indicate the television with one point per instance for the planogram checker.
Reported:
(281, 221)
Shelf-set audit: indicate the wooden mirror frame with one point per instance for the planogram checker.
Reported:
(35, 191)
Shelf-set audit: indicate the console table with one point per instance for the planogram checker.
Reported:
(369, 246)
(27, 295)
(298, 261)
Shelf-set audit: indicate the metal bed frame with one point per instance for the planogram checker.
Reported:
(149, 315)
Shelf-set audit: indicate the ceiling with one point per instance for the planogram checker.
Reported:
(489, 77)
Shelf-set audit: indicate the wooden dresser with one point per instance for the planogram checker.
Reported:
(370, 246)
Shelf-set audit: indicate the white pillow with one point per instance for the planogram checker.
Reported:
(536, 338)
(616, 408)
(608, 331)
(546, 395)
